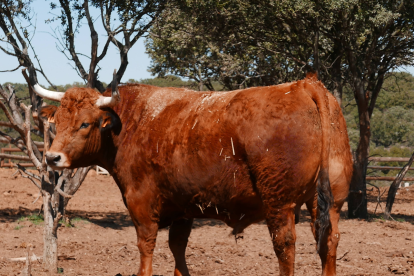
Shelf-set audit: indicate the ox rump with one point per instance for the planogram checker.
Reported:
(239, 156)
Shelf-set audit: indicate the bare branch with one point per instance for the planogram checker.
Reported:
(16, 141)
(8, 115)
(28, 139)
(63, 178)
(30, 178)
(70, 39)
(94, 46)
(12, 70)
(13, 156)
(23, 169)
(6, 124)
(56, 223)
(7, 52)
(394, 187)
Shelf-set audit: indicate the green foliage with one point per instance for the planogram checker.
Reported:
(35, 219)
(78, 219)
(394, 125)
(228, 42)
(174, 81)
(392, 122)
(397, 90)
(253, 43)
(167, 81)
(66, 223)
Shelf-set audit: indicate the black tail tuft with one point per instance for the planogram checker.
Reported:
(325, 202)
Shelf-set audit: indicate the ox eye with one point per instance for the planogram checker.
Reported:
(84, 125)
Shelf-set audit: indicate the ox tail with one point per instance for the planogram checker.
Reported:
(319, 95)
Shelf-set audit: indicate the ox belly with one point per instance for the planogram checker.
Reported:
(230, 160)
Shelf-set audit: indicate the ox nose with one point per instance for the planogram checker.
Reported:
(52, 159)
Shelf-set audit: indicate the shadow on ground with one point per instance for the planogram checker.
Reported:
(120, 220)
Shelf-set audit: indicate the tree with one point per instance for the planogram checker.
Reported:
(348, 43)
(20, 117)
(134, 17)
(208, 41)
(167, 81)
(55, 188)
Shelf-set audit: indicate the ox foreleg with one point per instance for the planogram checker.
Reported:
(281, 224)
(147, 230)
(329, 243)
(147, 235)
(178, 238)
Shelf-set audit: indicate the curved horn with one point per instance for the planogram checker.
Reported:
(44, 93)
(114, 99)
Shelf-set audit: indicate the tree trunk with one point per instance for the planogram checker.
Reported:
(336, 73)
(357, 198)
(51, 215)
(49, 236)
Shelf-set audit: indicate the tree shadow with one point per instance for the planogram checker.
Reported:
(113, 220)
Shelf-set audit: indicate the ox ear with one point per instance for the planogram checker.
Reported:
(109, 120)
(48, 112)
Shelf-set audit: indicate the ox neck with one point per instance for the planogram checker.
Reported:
(107, 157)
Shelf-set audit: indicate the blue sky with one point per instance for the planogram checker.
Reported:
(58, 68)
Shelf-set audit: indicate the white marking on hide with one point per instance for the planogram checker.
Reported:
(160, 99)
(232, 146)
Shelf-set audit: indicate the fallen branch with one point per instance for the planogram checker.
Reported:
(378, 197)
(23, 259)
(349, 266)
(346, 253)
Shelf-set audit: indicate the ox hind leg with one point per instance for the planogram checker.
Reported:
(281, 224)
(178, 238)
(329, 243)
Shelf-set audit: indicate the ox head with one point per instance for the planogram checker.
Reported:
(84, 123)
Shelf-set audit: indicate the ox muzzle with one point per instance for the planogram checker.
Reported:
(57, 160)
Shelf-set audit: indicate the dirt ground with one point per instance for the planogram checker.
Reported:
(103, 240)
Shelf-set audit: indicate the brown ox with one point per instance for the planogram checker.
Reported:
(239, 156)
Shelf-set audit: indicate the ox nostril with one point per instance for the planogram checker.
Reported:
(52, 158)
